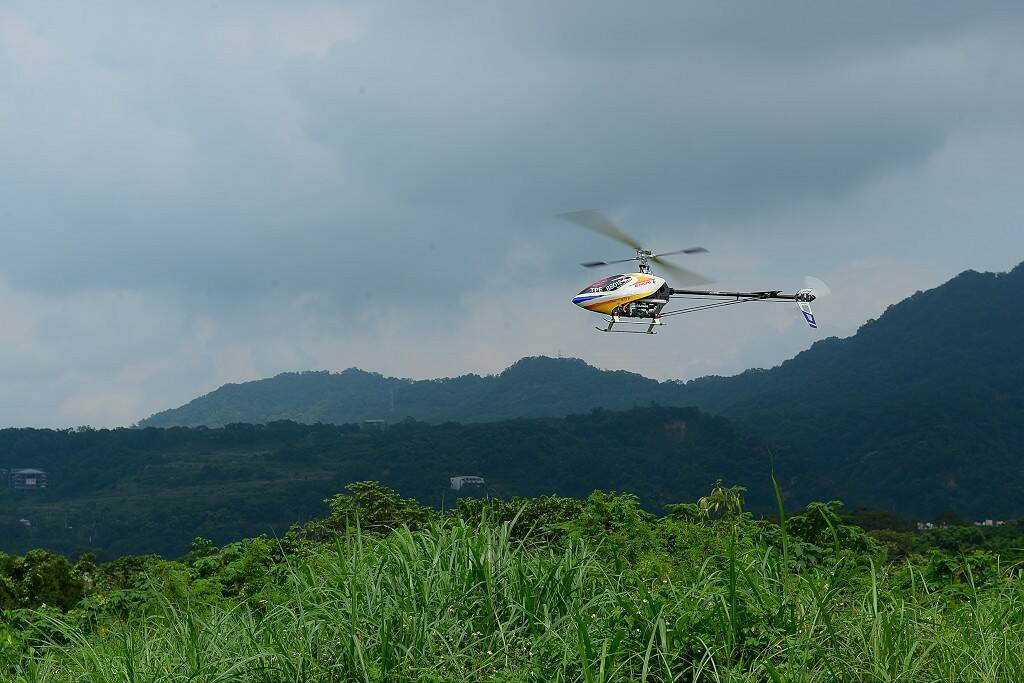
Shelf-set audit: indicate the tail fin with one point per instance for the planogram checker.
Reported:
(804, 303)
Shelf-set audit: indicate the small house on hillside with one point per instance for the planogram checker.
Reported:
(28, 479)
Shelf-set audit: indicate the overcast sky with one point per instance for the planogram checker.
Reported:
(195, 193)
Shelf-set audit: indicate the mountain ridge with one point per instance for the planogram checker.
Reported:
(540, 386)
(360, 394)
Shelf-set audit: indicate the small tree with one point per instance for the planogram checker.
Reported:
(372, 507)
(722, 501)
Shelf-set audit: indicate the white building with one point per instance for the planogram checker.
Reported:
(459, 482)
(28, 479)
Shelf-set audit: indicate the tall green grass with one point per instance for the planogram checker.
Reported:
(455, 602)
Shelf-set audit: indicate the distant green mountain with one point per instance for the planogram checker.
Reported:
(533, 387)
(922, 408)
(955, 345)
(153, 490)
(921, 411)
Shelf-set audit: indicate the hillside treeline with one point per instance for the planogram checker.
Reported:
(134, 491)
(131, 491)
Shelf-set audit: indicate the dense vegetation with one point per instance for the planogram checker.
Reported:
(921, 411)
(129, 491)
(547, 589)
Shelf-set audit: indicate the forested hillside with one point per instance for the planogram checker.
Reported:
(926, 401)
(153, 490)
(919, 412)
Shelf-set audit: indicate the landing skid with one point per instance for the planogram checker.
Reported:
(617, 320)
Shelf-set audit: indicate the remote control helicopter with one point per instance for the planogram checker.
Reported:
(640, 298)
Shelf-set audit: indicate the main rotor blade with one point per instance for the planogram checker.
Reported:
(598, 222)
(679, 274)
(690, 250)
(595, 264)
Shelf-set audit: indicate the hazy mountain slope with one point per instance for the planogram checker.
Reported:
(533, 387)
(948, 344)
(963, 337)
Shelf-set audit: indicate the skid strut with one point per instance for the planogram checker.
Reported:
(617, 320)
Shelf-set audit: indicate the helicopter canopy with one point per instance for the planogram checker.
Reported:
(608, 284)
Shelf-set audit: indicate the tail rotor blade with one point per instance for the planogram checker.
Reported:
(818, 287)
(598, 222)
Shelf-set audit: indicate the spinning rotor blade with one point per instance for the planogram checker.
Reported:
(598, 222)
(680, 275)
(819, 288)
(691, 250)
(595, 264)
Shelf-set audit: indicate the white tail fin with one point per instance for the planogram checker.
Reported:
(815, 289)
(805, 308)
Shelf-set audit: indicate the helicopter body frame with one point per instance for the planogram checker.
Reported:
(639, 298)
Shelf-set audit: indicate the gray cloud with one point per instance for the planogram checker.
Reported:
(197, 193)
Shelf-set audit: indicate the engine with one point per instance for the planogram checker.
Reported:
(649, 307)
